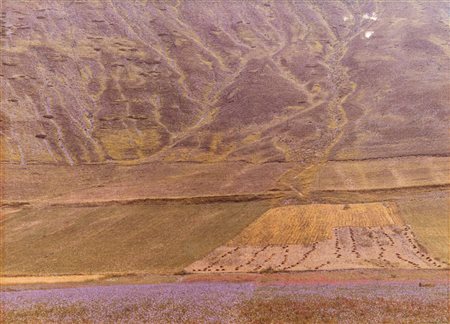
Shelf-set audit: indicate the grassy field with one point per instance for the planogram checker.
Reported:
(305, 224)
(429, 220)
(383, 174)
(99, 183)
(131, 238)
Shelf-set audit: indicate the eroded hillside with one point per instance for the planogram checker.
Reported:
(93, 81)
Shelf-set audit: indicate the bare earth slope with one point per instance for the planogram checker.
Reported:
(115, 107)
(96, 81)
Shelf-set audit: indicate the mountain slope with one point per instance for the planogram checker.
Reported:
(260, 81)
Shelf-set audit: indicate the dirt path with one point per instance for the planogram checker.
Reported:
(341, 88)
(47, 279)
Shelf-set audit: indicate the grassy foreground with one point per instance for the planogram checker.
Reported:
(374, 302)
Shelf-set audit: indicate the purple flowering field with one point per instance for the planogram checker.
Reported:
(372, 302)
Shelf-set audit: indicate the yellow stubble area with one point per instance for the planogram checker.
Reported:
(305, 224)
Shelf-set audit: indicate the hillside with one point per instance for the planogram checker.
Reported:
(179, 130)
(259, 81)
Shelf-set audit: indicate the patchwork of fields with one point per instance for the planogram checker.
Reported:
(330, 237)
(224, 161)
(225, 237)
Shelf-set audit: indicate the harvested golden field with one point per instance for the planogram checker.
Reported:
(118, 239)
(305, 224)
(390, 173)
(430, 222)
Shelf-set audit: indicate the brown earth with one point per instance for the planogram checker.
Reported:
(261, 81)
(349, 248)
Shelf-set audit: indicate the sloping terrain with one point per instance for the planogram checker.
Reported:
(401, 76)
(93, 184)
(389, 173)
(128, 80)
(431, 223)
(257, 81)
(165, 128)
(119, 239)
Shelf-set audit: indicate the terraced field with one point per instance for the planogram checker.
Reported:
(389, 173)
(37, 184)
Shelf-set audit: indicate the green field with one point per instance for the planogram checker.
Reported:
(119, 239)
(429, 220)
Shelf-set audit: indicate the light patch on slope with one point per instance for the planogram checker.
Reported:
(368, 34)
(346, 18)
(372, 17)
